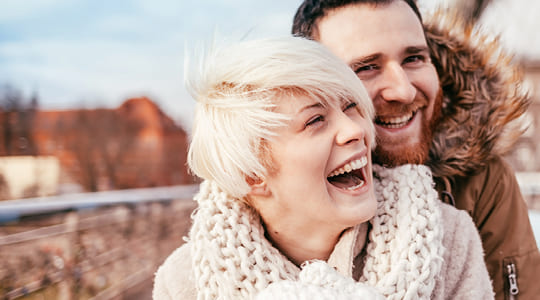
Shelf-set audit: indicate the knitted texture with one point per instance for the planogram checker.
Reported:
(404, 252)
(232, 259)
(318, 280)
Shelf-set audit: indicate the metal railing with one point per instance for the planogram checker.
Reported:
(11, 210)
(73, 226)
(529, 183)
(121, 235)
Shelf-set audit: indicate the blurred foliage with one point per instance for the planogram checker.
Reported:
(17, 115)
(471, 10)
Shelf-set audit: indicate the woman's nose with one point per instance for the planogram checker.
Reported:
(349, 130)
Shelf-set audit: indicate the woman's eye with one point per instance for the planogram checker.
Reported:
(314, 120)
(349, 106)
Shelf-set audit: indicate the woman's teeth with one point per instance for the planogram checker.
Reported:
(351, 166)
(354, 187)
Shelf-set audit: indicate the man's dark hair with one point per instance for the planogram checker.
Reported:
(310, 11)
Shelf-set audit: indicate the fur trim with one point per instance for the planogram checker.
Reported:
(484, 101)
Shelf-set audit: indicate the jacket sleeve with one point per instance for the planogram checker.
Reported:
(160, 291)
(501, 215)
(465, 275)
(173, 279)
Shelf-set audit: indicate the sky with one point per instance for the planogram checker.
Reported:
(97, 53)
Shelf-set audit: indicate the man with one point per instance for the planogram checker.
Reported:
(444, 100)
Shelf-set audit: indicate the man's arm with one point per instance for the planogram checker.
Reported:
(494, 200)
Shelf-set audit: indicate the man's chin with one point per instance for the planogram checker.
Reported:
(417, 154)
(409, 152)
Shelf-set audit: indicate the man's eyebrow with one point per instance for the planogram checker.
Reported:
(416, 49)
(364, 60)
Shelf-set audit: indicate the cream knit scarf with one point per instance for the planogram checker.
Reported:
(404, 252)
(232, 259)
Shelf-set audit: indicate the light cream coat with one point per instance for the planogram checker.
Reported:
(463, 274)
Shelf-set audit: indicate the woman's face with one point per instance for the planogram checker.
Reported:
(323, 160)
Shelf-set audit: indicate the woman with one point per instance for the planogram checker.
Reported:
(282, 137)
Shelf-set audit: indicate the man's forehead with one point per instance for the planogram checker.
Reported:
(363, 29)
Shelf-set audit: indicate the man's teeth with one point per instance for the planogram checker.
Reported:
(395, 122)
(353, 165)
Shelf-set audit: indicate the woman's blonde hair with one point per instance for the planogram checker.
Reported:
(236, 88)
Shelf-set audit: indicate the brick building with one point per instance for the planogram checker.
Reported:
(134, 145)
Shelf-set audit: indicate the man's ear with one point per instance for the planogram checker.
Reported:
(258, 187)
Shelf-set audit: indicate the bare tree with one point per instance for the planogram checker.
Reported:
(75, 136)
(119, 136)
(17, 116)
(175, 155)
(99, 141)
(4, 188)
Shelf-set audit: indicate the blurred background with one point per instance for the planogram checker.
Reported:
(95, 122)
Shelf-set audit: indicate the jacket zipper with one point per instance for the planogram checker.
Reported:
(512, 280)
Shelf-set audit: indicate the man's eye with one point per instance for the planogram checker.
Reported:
(415, 58)
(365, 68)
(314, 120)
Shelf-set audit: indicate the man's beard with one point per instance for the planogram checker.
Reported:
(414, 154)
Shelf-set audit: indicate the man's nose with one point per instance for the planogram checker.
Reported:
(396, 85)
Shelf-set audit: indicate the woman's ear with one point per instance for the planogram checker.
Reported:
(258, 187)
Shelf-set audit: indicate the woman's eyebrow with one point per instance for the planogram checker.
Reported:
(310, 106)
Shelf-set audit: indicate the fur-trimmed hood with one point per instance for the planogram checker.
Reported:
(484, 98)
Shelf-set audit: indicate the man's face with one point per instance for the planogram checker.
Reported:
(386, 47)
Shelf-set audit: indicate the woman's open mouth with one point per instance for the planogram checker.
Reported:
(351, 176)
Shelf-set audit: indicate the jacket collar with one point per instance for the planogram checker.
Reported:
(484, 98)
(349, 246)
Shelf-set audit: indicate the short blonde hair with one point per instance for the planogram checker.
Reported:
(236, 88)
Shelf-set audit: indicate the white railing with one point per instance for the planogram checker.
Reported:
(529, 182)
(124, 240)
(11, 210)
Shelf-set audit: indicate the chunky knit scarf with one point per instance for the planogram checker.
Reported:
(319, 281)
(404, 252)
(232, 259)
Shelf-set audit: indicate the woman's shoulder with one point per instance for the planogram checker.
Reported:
(173, 279)
(182, 255)
(457, 223)
(464, 274)
(460, 235)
